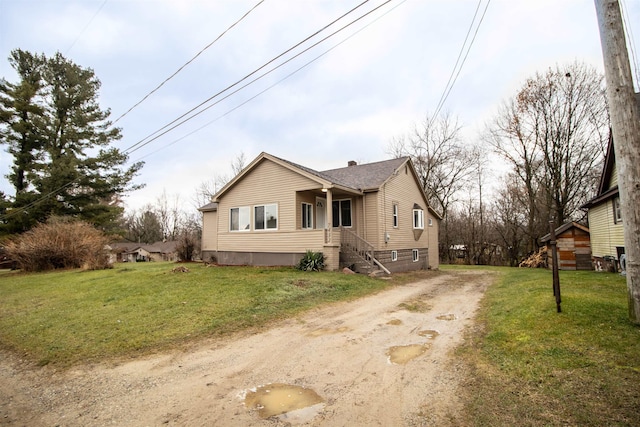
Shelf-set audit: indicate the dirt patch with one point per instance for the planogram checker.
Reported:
(341, 352)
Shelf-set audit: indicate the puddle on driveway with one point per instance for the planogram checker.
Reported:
(449, 316)
(298, 403)
(429, 333)
(400, 355)
(394, 322)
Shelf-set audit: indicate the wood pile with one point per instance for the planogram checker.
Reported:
(536, 260)
(181, 269)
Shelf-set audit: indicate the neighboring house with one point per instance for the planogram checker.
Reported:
(573, 247)
(360, 216)
(136, 252)
(605, 218)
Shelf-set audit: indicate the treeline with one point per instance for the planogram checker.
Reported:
(550, 138)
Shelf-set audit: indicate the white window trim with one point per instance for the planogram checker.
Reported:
(309, 213)
(265, 220)
(617, 211)
(240, 208)
(415, 254)
(396, 219)
(394, 255)
(420, 218)
(340, 212)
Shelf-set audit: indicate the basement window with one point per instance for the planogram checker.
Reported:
(394, 255)
(416, 255)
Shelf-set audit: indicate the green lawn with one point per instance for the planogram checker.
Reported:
(70, 317)
(532, 366)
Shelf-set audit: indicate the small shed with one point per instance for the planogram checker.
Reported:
(574, 247)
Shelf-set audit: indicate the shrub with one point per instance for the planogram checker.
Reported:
(311, 261)
(60, 243)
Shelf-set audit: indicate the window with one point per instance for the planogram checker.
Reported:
(307, 215)
(239, 219)
(416, 255)
(617, 212)
(418, 218)
(341, 211)
(394, 255)
(266, 217)
(395, 215)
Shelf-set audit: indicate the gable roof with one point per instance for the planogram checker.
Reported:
(368, 176)
(355, 179)
(564, 227)
(604, 192)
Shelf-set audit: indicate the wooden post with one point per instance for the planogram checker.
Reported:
(554, 265)
(625, 124)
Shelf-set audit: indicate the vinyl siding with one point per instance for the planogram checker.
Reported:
(268, 183)
(613, 180)
(605, 235)
(373, 216)
(404, 190)
(210, 231)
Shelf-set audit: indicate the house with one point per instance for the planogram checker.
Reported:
(573, 247)
(605, 217)
(136, 252)
(365, 216)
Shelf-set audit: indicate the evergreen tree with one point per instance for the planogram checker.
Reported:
(60, 140)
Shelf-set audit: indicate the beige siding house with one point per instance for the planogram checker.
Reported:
(606, 224)
(366, 216)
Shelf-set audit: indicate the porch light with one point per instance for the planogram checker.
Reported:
(324, 190)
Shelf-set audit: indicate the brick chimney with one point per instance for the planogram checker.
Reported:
(352, 163)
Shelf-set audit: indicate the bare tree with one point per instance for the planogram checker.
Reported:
(509, 217)
(442, 163)
(167, 209)
(553, 133)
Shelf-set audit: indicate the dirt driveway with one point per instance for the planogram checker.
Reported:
(383, 360)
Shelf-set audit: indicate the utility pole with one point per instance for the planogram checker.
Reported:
(625, 124)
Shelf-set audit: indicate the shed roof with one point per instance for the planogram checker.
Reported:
(564, 227)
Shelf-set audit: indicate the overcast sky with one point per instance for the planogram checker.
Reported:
(370, 82)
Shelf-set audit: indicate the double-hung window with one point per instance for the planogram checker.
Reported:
(341, 211)
(418, 219)
(395, 215)
(265, 217)
(617, 211)
(307, 215)
(239, 219)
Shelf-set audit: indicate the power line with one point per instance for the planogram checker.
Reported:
(271, 86)
(130, 149)
(630, 40)
(452, 79)
(85, 27)
(251, 82)
(142, 141)
(188, 62)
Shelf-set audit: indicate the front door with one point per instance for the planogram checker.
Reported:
(321, 213)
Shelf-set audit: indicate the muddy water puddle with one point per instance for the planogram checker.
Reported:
(394, 322)
(290, 402)
(402, 354)
(429, 333)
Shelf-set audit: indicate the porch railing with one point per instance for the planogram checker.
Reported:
(351, 242)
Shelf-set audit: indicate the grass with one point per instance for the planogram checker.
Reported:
(530, 366)
(68, 317)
